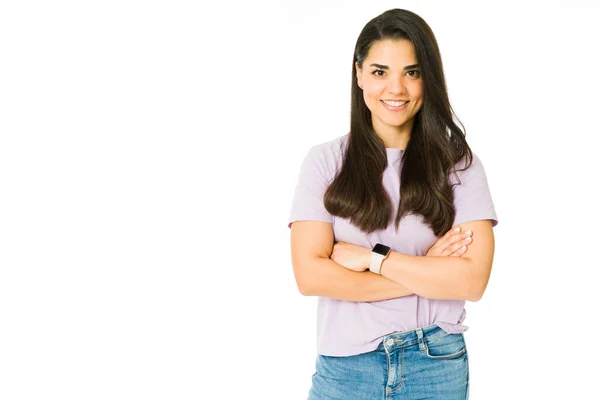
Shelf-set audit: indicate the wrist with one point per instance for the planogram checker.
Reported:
(384, 263)
(367, 258)
(378, 255)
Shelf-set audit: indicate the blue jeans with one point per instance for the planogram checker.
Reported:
(425, 363)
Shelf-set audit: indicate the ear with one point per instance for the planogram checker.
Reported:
(358, 75)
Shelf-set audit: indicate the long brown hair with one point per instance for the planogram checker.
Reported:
(435, 146)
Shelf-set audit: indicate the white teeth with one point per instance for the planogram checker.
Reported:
(395, 103)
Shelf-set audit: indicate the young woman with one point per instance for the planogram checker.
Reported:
(391, 226)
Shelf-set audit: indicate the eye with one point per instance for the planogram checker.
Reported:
(416, 74)
(376, 71)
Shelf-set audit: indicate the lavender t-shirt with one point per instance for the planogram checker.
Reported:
(349, 327)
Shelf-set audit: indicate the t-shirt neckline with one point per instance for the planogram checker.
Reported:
(393, 154)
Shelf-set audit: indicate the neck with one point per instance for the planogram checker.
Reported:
(394, 137)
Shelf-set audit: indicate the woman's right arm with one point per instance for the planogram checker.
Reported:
(317, 275)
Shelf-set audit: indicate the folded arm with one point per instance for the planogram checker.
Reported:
(317, 275)
(463, 278)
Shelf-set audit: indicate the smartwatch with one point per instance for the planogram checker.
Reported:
(378, 254)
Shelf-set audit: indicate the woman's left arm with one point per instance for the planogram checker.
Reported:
(464, 277)
(434, 277)
(446, 278)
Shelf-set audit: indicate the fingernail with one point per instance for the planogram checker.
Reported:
(468, 232)
(457, 229)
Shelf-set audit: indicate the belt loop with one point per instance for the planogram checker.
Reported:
(420, 338)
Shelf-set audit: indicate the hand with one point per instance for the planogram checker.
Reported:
(453, 244)
(351, 256)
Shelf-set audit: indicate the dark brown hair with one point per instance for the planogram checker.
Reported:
(435, 146)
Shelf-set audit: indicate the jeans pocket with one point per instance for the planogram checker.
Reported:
(447, 347)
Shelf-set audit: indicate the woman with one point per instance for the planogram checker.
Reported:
(391, 226)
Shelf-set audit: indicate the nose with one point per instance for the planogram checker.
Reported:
(397, 86)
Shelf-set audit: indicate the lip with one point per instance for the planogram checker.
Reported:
(392, 108)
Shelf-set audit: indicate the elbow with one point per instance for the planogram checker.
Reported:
(476, 290)
(307, 277)
(310, 284)
(304, 288)
(474, 297)
(477, 279)
(305, 284)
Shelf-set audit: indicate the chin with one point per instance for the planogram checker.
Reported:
(396, 124)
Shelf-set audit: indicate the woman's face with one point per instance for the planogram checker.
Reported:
(390, 77)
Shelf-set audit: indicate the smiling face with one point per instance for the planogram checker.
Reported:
(392, 89)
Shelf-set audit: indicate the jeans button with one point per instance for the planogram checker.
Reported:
(390, 342)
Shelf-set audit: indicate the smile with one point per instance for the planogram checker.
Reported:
(394, 105)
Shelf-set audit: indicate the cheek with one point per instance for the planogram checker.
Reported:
(373, 93)
(417, 91)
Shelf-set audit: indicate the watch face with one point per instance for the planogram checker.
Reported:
(381, 249)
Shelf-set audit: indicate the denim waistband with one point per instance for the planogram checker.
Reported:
(410, 338)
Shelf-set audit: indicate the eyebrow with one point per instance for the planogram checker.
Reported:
(386, 67)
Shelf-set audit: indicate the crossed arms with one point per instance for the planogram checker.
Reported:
(436, 277)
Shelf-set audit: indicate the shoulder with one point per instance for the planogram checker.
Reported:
(328, 155)
(333, 148)
(466, 168)
(472, 195)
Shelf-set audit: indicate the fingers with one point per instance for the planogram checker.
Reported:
(446, 240)
(461, 250)
(453, 235)
(451, 244)
(451, 232)
(455, 242)
(459, 247)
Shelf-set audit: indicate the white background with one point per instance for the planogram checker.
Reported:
(148, 156)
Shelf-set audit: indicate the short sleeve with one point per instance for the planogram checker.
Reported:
(472, 197)
(313, 180)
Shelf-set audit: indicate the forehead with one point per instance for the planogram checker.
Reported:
(398, 52)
